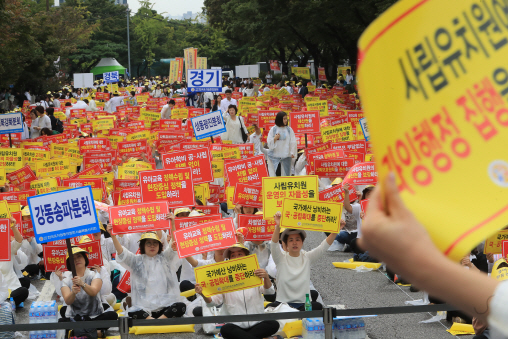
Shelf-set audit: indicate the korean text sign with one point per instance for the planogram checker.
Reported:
(209, 236)
(462, 112)
(198, 159)
(494, 242)
(305, 122)
(64, 214)
(204, 80)
(276, 189)
(11, 123)
(251, 170)
(311, 215)
(187, 222)
(228, 276)
(258, 229)
(208, 125)
(136, 218)
(248, 195)
(55, 255)
(172, 185)
(5, 240)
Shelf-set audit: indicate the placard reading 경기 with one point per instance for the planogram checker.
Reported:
(64, 214)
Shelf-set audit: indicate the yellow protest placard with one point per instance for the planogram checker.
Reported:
(230, 193)
(129, 173)
(276, 189)
(60, 115)
(114, 140)
(106, 177)
(97, 194)
(311, 215)
(138, 136)
(199, 193)
(319, 105)
(57, 150)
(338, 133)
(44, 186)
(78, 121)
(301, 72)
(246, 104)
(179, 113)
(31, 156)
(342, 70)
(450, 92)
(311, 88)
(31, 143)
(2, 177)
(218, 168)
(228, 276)
(54, 167)
(138, 164)
(103, 124)
(149, 116)
(369, 157)
(11, 159)
(493, 244)
(228, 153)
(14, 207)
(73, 153)
(141, 99)
(282, 92)
(4, 210)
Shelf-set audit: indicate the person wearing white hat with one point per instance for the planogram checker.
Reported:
(293, 266)
(154, 286)
(248, 301)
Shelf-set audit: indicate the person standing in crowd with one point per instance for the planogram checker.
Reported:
(116, 101)
(268, 78)
(349, 77)
(234, 126)
(56, 101)
(302, 89)
(42, 121)
(166, 109)
(247, 301)
(255, 138)
(249, 91)
(282, 146)
(225, 103)
(157, 92)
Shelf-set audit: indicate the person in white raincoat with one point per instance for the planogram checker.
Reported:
(248, 301)
(282, 144)
(155, 291)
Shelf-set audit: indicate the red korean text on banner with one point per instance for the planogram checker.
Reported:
(18, 196)
(74, 240)
(504, 248)
(136, 218)
(246, 170)
(105, 163)
(317, 148)
(332, 168)
(187, 222)
(350, 146)
(207, 210)
(18, 218)
(27, 229)
(266, 117)
(258, 229)
(55, 255)
(194, 145)
(87, 144)
(130, 196)
(125, 283)
(198, 159)
(210, 236)
(364, 204)
(173, 185)
(24, 174)
(120, 184)
(246, 150)
(305, 122)
(336, 194)
(94, 170)
(132, 148)
(5, 240)
(328, 154)
(359, 157)
(248, 195)
(364, 173)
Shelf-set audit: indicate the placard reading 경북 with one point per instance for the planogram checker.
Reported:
(136, 218)
(210, 236)
(64, 214)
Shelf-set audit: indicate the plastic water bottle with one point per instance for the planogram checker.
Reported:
(348, 330)
(13, 305)
(355, 327)
(321, 331)
(38, 315)
(362, 333)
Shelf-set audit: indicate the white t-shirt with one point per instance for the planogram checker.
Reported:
(268, 78)
(357, 209)
(224, 104)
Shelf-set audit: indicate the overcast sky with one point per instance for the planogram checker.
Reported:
(171, 7)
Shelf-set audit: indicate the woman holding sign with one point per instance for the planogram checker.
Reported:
(248, 301)
(235, 126)
(82, 292)
(282, 144)
(155, 291)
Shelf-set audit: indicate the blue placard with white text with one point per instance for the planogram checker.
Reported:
(63, 215)
(365, 129)
(110, 77)
(204, 80)
(208, 125)
(11, 123)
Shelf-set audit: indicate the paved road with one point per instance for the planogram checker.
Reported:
(349, 288)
